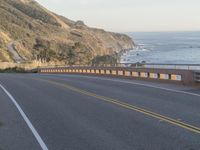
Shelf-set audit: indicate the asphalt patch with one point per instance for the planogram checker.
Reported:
(1, 124)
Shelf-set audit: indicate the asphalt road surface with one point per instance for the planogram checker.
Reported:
(73, 112)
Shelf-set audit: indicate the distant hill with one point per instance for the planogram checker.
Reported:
(35, 33)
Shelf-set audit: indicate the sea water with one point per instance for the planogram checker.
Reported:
(164, 48)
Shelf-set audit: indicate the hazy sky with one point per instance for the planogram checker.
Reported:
(131, 15)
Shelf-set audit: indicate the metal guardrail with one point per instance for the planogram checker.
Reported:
(174, 66)
(197, 76)
(139, 65)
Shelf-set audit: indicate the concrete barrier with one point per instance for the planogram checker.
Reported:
(166, 75)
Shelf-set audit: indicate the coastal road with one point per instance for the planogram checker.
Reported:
(73, 112)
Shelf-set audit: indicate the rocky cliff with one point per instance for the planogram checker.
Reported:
(35, 33)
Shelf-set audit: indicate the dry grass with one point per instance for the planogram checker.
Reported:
(28, 66)
(4, 37)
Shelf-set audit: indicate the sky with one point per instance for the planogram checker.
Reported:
(131, 15)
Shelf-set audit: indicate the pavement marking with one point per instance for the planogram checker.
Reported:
(28, 122)
(126, 105)
(140, 84)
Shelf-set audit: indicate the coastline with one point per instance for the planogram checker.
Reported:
(165, 47)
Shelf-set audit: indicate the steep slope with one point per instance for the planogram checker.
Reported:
(38, 34)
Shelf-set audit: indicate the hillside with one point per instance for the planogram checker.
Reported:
(37, 34)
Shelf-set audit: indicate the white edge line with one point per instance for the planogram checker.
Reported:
(33, 130)
(146, 85)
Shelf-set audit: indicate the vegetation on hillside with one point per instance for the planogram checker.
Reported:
(44, 36)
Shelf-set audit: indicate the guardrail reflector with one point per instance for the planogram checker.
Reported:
(135, 74)
(121, 73)
(102, 71)
(144, 75)
(97, 71)
(164, 76)
(107, 71)
(127, 73)
(154, 75)
(176, 77)
(114, 72)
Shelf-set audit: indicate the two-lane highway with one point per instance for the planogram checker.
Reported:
(72, 112)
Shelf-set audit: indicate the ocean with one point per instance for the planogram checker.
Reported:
(164, 47)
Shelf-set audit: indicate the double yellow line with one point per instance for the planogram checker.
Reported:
(127, 106)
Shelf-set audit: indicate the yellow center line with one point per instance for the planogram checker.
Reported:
(126, 105)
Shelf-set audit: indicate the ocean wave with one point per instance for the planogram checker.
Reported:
(140, 49)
